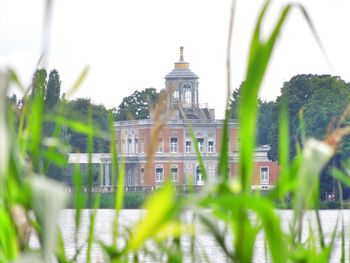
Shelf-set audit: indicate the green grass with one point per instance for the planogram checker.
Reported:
(132, 200)
(30, 200)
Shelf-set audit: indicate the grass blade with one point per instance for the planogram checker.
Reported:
(78, 82)
(199, 155)
(259, 58)
(91, 235)
(161, 209)
(224, 159)
(78, 201)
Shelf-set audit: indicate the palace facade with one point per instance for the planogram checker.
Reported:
(167, 134)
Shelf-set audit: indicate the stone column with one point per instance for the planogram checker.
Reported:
(107, 175)
(102, 174)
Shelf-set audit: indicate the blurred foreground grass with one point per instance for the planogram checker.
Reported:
(30, 202)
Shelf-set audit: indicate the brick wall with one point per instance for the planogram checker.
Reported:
(273, 172)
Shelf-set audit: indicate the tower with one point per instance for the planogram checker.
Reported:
(182, 86)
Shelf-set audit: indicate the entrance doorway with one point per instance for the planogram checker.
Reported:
(199, 179)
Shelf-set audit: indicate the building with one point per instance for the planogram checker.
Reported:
(174, 155)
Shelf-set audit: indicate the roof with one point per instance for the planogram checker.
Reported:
(182, 73)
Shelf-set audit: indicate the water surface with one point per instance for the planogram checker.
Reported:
(128, 218)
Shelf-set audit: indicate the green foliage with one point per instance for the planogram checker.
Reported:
(322, 98)
(136, 106)
(266, 115)
(235, 101)
(78, 110)
(315, 104)
(134, 200)
(265, 120)
(131, 200)
(53, 89)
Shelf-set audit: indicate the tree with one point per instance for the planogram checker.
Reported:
(137, 105)
(39, 83)
(52, 99)
(53, 89)
(234, 102)
(265, 120)
(78, 109)
(322, 99)
(49, 92)
(265, 117)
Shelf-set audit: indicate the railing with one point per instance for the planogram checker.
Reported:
(192, 105)
(151, 122)
(145, 189)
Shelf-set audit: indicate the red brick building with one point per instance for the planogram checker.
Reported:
(175, 157)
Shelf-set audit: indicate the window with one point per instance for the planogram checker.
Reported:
(173, 145)
(124, 146)
(159, 175)
(175, 97)
(130, 146)
(198, 174)
(187, 94)
(142, 176)
(160, 145)
(210, 146)
(188, 97)
(199, 179)
(136, 146)
(142, 146)
(188, 146)
(174, 174)
(200, 144)
(264, 174)
(129, 179)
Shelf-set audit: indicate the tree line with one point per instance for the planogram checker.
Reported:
(315, 106)
(135, 106)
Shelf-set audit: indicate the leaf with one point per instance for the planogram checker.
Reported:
(199, 155)
(315, 156)
(55, 157)
(48, 198)
(117, 176)
(223, 207)
(4, 133)
(259, 58)
(14, 78)
(91, 234)
(78, 200)
(9, 248)
(78, 82)
(224, 158)
(161, 209)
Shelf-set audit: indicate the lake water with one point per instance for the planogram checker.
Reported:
(104, 222)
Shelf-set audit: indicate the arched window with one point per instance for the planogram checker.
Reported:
(187, 94)
(175, 97)
(188, 97)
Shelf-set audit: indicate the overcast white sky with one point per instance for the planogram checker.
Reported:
(132, 44)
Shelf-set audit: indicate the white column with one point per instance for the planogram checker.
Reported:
(107, 175)
(102, 174)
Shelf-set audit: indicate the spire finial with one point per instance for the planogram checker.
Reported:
(181, 53)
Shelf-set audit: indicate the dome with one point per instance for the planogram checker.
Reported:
(181, 69)
(181, 73)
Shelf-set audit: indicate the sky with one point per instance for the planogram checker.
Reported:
(132, 44)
